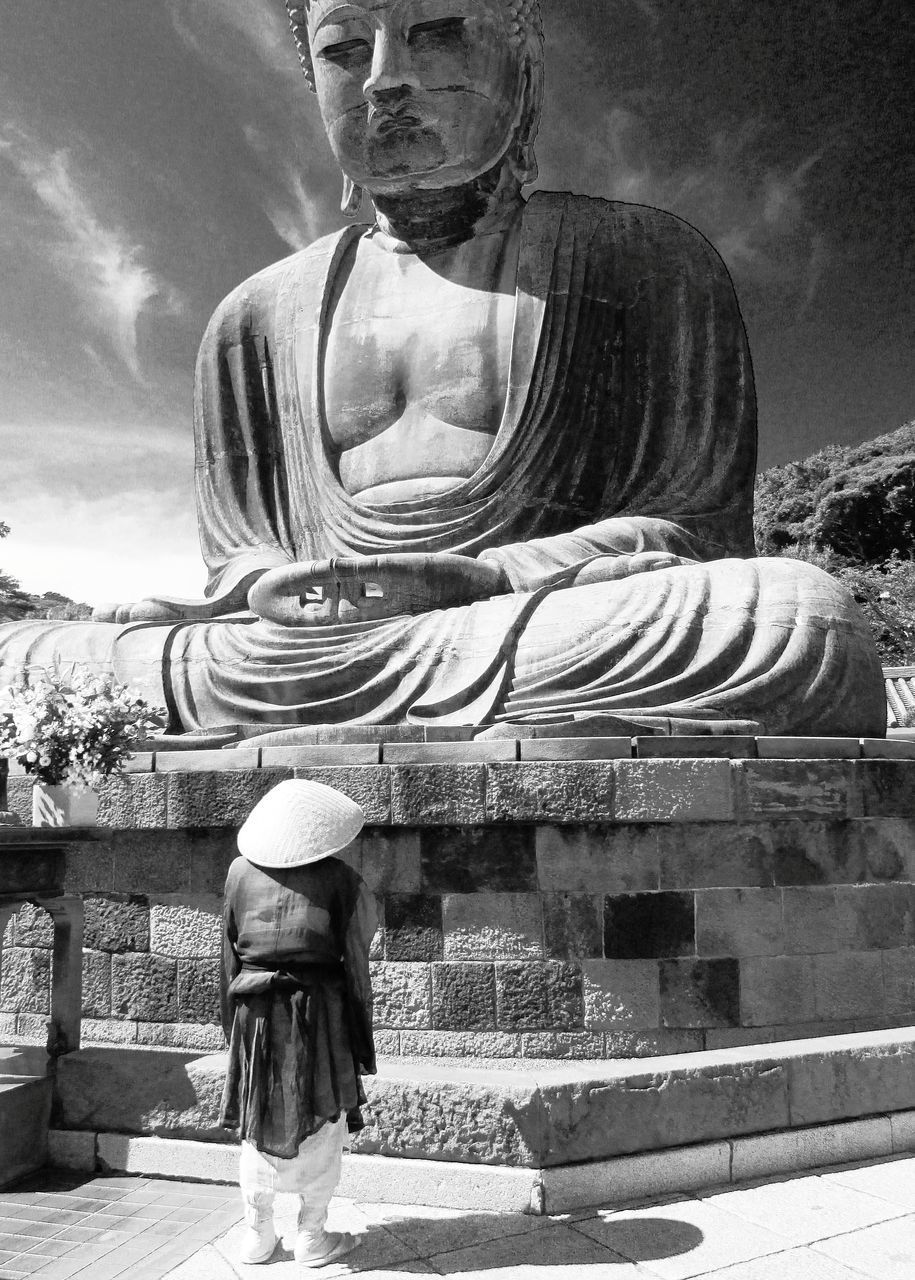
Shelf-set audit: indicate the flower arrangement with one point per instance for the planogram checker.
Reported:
(75, 728)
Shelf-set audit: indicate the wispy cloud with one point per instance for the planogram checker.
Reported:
(248, 43)
(95, 256)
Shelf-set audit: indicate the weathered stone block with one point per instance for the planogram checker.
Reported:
(808, 748)
(810, 919)
(219, 799)
(438, 794)
(899, 983)
(144, 987)
(739, 922)
(96, 984)
(574, 1046)
(700, 993)
(775, 990)
(198, 990)
(660, 1043)
(402, 996)
(873, 917)
(876, 1075)
(460, 1044)
(462, 751)
(182, 927)
(799, 788)
(813, 852)
(108, 1030)
(463, 997)
(25, 980)
(702, 746)
(376, 946)
(889, 788)
(33, 926)
(203, 1037)
(413, 927)
(369, 786)
(888, 748)
(576, 748)
(155, 861)
(208, 761)
(539, 997)
(134, 800)
(470, 859)
(621, 994)
(597, 858)
(673, 791)
(390, 860)
(321, 755)
(211, 852)
(116, 924)
(487, 926)
(887, 847)
(89, 865)
(706, 855)
(555, 791)
(140, 1090)
(572, 925)
(849, 984)
(645, 926)
(387, 1043)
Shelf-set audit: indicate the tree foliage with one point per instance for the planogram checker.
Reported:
(851, 511)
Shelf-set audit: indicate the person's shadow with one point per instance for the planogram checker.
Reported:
(498, 1241)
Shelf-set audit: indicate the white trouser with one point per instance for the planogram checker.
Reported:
(313, 1174)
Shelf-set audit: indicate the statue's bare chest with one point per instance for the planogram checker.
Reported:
(416, 367)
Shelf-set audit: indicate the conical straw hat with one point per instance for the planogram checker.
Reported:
(299, 822)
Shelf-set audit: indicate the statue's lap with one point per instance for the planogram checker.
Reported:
(773, 642)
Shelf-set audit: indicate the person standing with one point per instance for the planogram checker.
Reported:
(296, 1010)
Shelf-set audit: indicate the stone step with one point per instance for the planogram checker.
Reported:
(25, 1115)
(533, 1115)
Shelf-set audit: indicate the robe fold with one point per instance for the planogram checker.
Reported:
(629, 427)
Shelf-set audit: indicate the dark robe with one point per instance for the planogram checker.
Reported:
(296, 1000)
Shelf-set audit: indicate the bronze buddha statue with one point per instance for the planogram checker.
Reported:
(485, 460)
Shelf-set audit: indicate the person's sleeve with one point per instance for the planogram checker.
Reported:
(231, 964)
(360, 931)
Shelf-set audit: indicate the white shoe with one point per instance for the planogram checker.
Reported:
(259, 1239)
(318, 1248)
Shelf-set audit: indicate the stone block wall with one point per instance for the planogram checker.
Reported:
(691, 904)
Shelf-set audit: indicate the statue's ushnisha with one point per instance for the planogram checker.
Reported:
(485, 461)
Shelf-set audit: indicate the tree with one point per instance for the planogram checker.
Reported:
(16, 604)
(851, 511)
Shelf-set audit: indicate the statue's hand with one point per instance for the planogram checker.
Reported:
(174, 609)
(359, 588)
(613, 568)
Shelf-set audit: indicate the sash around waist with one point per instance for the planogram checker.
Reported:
(255, 979)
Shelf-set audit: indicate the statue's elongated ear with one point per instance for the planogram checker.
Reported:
(298, 21)
(523, 158)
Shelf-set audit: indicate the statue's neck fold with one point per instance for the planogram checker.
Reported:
(426, 222)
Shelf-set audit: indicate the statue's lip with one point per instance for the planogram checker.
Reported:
(385, 121)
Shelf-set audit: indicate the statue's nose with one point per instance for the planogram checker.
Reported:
(392, 77)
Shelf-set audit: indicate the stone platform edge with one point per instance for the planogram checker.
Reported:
(467, 783)
(383, 1180)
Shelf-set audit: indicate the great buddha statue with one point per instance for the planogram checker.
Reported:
(485, 460)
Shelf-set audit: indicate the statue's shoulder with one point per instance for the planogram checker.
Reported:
(251, 306)
(637, 233)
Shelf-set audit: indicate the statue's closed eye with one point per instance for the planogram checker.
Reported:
(346, 51)
(441, 27)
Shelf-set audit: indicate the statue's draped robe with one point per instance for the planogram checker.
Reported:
(629, 425)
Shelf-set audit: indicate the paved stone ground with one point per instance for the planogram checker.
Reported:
(837, 1223)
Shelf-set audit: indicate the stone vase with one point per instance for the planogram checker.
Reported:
(63, 807)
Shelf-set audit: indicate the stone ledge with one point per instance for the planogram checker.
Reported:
(479, 791)
(532, 1115)
(388, 1180)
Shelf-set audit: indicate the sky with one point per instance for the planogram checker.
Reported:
(155, 153)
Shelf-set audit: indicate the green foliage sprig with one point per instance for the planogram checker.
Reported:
(75, 727)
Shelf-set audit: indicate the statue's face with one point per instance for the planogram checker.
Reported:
(415, 93)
